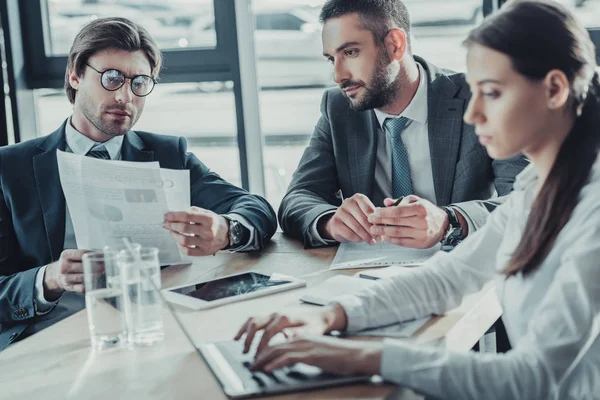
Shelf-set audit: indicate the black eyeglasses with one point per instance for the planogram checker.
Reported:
(113, 79)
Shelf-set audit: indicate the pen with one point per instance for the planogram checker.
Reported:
(398, 201)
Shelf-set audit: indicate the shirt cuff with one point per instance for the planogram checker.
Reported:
(395, 362)
(42, 306)
(313, 233)
(356, 319)
(252, 243)
(470, 224)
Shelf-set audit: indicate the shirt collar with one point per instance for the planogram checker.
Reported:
(526, 178)
(417, 108)
(81, 144)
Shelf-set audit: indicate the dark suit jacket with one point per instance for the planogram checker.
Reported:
(341, 156)
(32, 216)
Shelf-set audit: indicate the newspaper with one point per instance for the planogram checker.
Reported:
(362, 255)
(110, 200)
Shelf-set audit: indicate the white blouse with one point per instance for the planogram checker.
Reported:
(552, 316)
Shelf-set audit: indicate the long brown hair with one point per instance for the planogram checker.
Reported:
(540, 36)
(110, 33)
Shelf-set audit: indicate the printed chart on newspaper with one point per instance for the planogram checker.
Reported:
(110, 200)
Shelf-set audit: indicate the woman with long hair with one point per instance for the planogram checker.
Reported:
(535, 90)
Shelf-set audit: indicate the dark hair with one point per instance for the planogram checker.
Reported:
(377, 16)
(540, 36)
(110, 33)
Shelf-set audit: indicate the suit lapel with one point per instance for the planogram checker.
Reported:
(133, 149)
(445, 113)
(52, 199)
(362, 150)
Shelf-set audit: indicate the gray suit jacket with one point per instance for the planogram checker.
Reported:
(342, 152)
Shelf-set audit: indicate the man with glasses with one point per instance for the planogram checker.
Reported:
(112, 66)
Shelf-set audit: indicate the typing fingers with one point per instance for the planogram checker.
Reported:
(277, 325)
(251, 327)
(272, 353)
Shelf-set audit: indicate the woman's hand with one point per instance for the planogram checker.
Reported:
(295, 322)
(337, 356)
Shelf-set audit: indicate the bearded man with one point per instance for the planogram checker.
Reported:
(393, 129)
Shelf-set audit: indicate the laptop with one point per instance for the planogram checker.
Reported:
(232, 369)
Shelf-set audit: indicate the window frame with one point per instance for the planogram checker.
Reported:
(210, 64)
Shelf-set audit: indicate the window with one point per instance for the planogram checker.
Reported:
(278, 22)
(171, 25)
(586, 11)
(197, 37)
(440, 26)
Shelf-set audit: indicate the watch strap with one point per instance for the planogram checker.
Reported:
(453, 235)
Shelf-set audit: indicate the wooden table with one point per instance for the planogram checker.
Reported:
(58, 363)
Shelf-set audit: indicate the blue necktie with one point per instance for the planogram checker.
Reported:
(98, 152)
(401, 180)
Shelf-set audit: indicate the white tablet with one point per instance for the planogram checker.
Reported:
(229, 289)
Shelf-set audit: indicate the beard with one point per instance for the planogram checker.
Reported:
(112, 127)
(382, 90)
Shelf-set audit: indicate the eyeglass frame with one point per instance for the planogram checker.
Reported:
(126, 77)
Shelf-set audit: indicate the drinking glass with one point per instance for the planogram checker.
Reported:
(144, 308)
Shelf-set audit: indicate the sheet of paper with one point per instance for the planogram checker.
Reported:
(177, 188)
(362, 255)
(110, 200)
(325, 292)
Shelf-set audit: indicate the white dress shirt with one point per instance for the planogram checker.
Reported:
(78, 143)
(552, 316)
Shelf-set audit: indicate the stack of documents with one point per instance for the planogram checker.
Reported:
(363, 255)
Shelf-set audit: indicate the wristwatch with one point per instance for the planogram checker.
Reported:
(454, 234)
(238, 233)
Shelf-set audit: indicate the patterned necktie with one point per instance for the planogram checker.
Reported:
(99, 152)
(401, 180)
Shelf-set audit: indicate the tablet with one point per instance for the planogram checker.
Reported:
(229, 289)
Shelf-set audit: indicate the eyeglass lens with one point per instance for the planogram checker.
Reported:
(113, 79)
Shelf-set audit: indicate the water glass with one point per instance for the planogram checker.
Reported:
(104, 301)
(144, 308)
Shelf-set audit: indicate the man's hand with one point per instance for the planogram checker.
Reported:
(350, 222)
(198, 232)
(66, 274)
(415, 222)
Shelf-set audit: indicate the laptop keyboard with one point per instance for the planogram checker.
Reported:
(280, 380)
